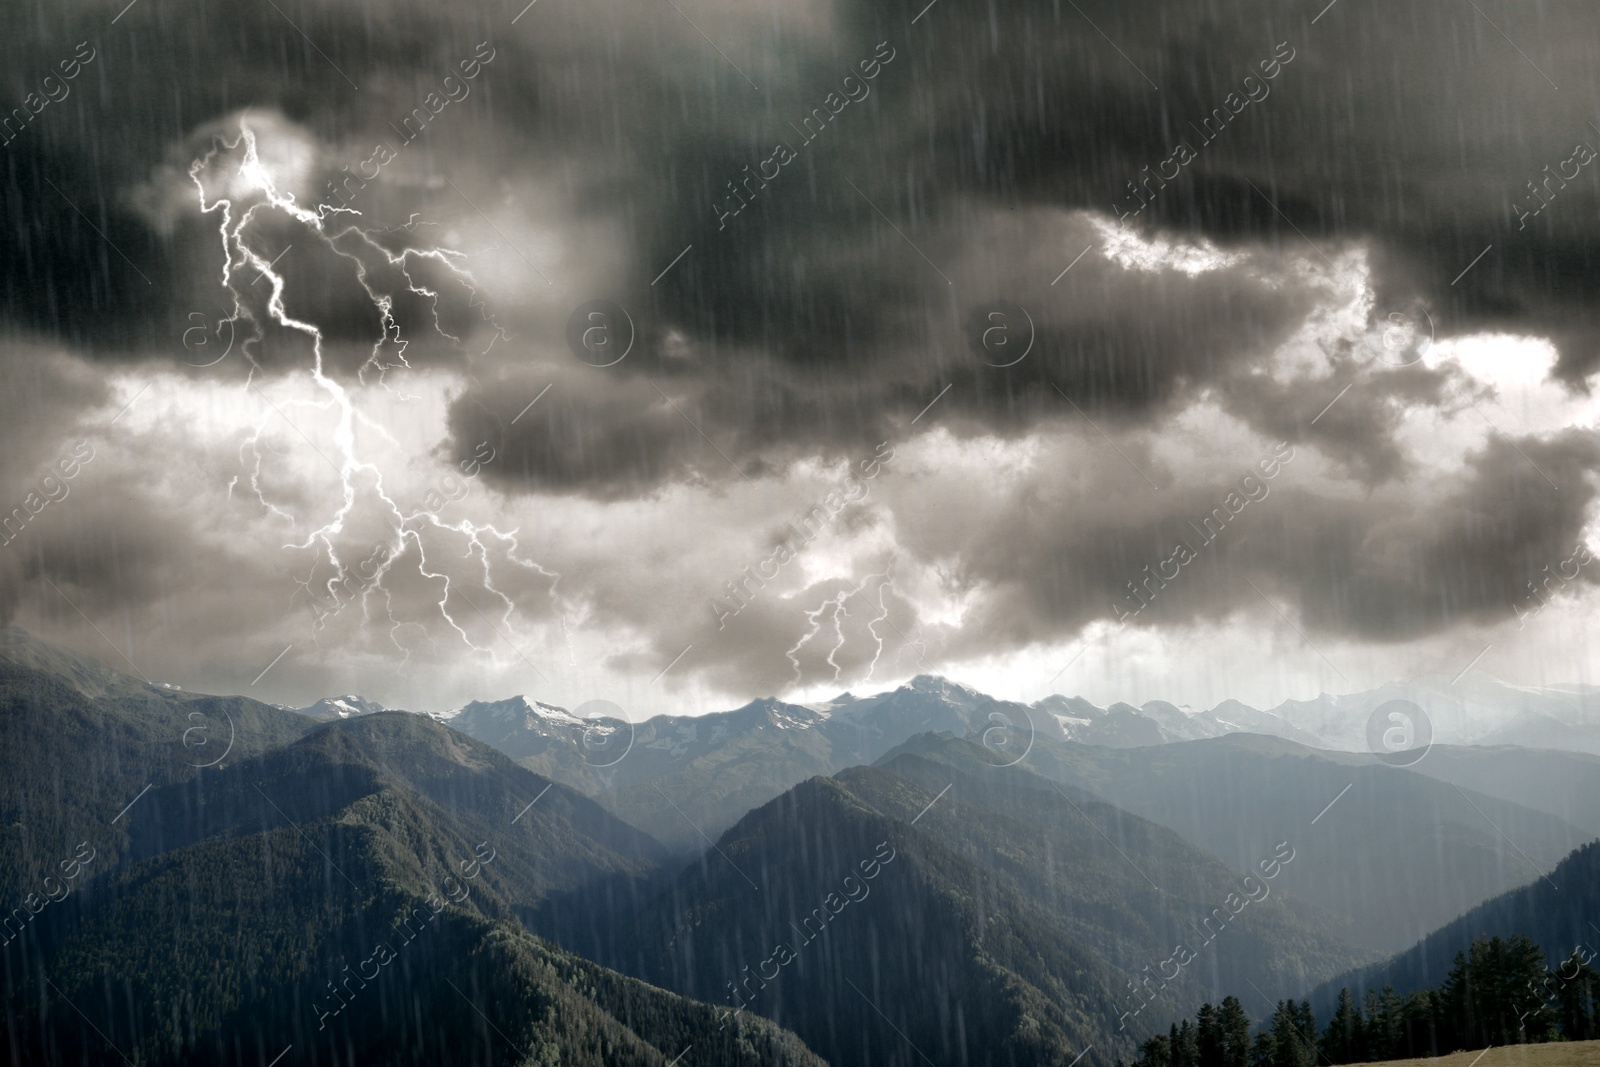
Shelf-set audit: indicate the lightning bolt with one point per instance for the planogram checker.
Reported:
(368, 256)
(808, 635)
(882, 616)
(472, 533)
(815, 620)
(839, 613)
(917, 646)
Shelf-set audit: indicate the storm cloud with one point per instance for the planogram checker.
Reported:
(1202, 228)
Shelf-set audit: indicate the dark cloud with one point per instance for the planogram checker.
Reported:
(1011, 112)
(593, 157)
(1381, 567)
(1002, 107)
(1125, 344)
(1396, 572)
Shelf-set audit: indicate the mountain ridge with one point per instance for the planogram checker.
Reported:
(991, 935)
(352, 891)
(714, 767)
(1459, 714)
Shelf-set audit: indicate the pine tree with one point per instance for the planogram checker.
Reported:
(1294, 1048)
(1454, 1008)
(1186, 1048)
(1421, 1025)
(1522, 1012)
(1499, 992)
(1386, 1026)
(1578, 999)
(1342, 1041)
(1495, 995)
(1155, 1052)
(1208, 1038)
(1235, 1027)
(1264, 1053)
(1306, 1024)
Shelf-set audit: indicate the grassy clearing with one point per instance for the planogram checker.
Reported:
(1555, 1054)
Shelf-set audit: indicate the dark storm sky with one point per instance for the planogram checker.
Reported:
(1245, 193)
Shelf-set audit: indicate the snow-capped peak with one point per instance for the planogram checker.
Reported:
(342, 707)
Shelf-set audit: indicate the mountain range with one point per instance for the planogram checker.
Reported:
(686, 779)
(1461, 824)
(351, 890)
(1471, 709)
(714, 767)
(927, 875)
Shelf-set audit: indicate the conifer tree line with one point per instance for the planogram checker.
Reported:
(1499, 992)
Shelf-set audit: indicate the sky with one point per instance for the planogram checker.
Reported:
(681, 353)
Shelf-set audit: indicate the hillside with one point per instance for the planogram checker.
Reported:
(1398, 853)
(353, 895)
(1560, 783)
(1560, 912)
(447, 782)
(993, 918)
(249, 946)
(82, 743)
